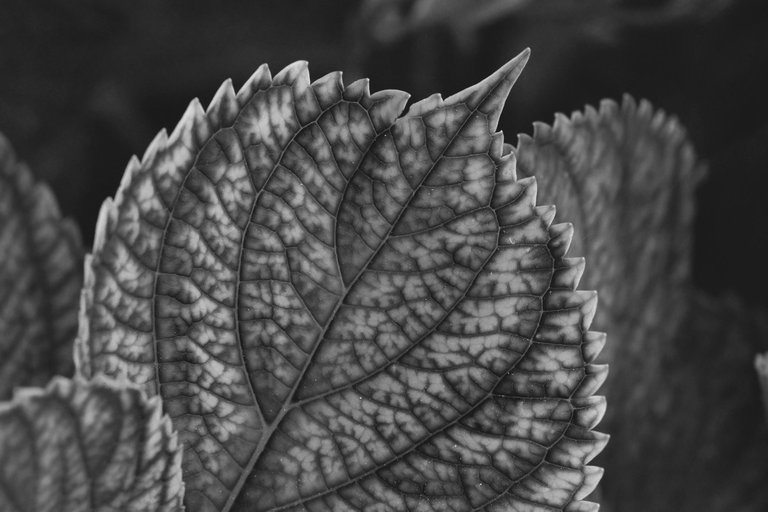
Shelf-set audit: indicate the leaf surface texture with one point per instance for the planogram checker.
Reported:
(79, 446)
(40, 279)
(343, 309)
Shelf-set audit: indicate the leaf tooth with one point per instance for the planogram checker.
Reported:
(589, 411)
(526, 157)
(507, 169)
(594, 377)
(192, 129)
(562, 129)
(507, 149)
(560, 239)
(597, 443)
(223, 108)
(592, 477)
(258, 81)
(307, 106)
(569, 273)
(582, 506)
(514, 201)
(540, 131)
(357, 90)
(589, 307)
(81, 350)
(386, 107)
(158, 144)
(426, 105)
(44, 201)
(531, 190)
(295, 72)
(592, 345)
(489, 95)
(546, 213)
(132, 170)
(496, 148)
(328, 89)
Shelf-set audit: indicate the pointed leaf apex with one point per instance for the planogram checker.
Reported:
(489, 95)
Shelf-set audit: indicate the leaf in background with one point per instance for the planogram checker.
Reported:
(40, 279)
(343, 310)
(87, 447)
(624, 175)
(681, 384)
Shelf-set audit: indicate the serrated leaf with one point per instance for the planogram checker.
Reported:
(87, 447)
(40, 279)
(346, 310)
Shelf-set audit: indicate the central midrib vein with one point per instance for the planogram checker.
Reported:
(290, 403)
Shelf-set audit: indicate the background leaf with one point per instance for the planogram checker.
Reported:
(679, 388)
(342, 310)
(87, 447)
(40, 279)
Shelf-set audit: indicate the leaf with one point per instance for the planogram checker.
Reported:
(40, 279)
(625, 175)
(681, 383)
(343, 310)
(87, 447)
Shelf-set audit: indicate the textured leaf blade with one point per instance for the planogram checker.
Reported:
(40, 279)
(344, 309)
(87, 446)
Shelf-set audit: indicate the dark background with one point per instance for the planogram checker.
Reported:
(84, 85)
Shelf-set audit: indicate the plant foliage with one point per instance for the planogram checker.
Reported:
(343, 309)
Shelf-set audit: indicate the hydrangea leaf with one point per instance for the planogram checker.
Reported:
(40, 279)
(79, 446)
(343, 309)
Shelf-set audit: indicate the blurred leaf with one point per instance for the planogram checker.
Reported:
(87, 447)
(625, 175)
(40, 279)
(680, 385)
(346, 310)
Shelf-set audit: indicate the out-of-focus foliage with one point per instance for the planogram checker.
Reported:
(41, 274)
(95, 446)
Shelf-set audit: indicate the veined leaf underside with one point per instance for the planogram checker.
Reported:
(343, 309)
